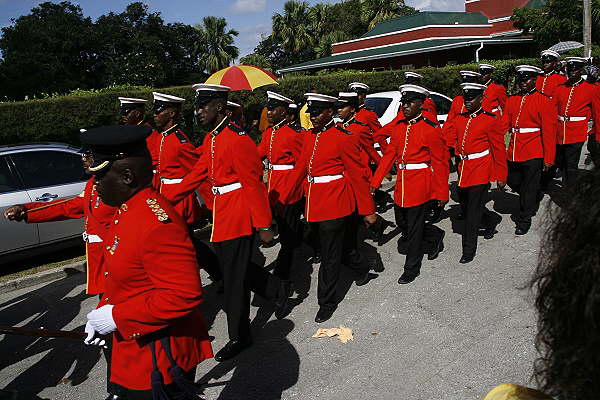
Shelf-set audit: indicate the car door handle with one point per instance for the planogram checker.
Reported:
(46, 197)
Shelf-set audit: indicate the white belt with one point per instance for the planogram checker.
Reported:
(571, 119)
(525, 130)
(227, 188)
(496, 109)
(474, 155)
(413, 166)
(91, 238)
(280, 167)
(166, 181)
(324, 178)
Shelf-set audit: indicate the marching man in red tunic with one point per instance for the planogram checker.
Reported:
(336, 186)
(478, 140)
(531, 120)
(495, 95)
(429, 109)
(281, 145)
(576, 101)
(551, 77)
(422, 159)
(152, 285)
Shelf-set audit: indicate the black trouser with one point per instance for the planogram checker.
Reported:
(421, 237)
(172, 390)
(524, 178)
(567, 159)
(472, 201)
(334, 242)
(240, 276)
(594, 148)
(290, 228)
(206, 259)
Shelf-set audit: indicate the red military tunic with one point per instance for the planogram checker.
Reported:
(416, 143)
(333, 153)
(456, 107)
(281, 146)
(548, 83)
(477, 133)
(229, 157)
(97, 220)
(363, 135)
(176, 156)
(369, 118)
(575, 105)
(494, 98)
(531, 121)
(153, 144)
(429, 111)
(153, 282)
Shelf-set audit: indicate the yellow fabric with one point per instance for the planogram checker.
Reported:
(515, 392)
(256, 77)
(215, 79)
(305, 118)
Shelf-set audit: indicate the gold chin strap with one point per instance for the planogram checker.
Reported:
(99, 167)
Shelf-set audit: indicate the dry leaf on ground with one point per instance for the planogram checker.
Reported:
(344, 334)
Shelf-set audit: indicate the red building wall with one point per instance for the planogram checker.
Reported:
(494, 8)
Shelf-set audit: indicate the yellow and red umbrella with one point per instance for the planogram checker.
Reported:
(242, 77)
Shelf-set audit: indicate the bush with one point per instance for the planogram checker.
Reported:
(60, 118)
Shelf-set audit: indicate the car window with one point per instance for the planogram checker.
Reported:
(377, 104)
(441, 103)
(8, 181)
(48, 168)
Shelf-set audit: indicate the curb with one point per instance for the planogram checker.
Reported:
(41, 277)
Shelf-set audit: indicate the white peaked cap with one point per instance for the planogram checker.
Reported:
(551, 53)
(347, 94)
(576, 59)
(293, 106)
(529, 68)
(358, 85)
(472, 86)
(470, 73)
(486, 66)
(131, 100)
(167, 98)
(278, 97)
(320, 97)
(414, 89)
(232, 104)
(409, 74)
(82, 130)
(211, 87)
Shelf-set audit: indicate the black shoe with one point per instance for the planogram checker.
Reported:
(465, 259)
(406, 278)
(489, 233)
(282, 308)
(439, 248)
(324, 314)
(521, 231)
(232, 349)
(363, 279)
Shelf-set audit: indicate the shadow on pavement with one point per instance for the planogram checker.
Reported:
(264, 371)
(49, 307)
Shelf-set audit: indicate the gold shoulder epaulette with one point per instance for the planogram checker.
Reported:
(161, 214)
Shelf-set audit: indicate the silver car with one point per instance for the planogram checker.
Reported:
(38, 172)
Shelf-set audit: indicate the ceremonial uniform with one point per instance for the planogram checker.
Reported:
(422, 159)
(281, 146)
(575, 104)
(531, 121)
(362, 134)
(336, 185)
(548, 83)
(478, 140)
(495, 98)
(97, 220)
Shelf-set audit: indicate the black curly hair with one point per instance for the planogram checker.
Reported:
(567, 280)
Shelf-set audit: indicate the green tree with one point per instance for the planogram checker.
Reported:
(556, 21)
(49, 50)
(257, 60)
(292, 29)
(375, 12)
(216, 47)
(323, 48)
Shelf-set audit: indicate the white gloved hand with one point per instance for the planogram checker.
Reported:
(101, 319)
(90, 339)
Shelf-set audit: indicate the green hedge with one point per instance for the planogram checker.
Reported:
(59, 119)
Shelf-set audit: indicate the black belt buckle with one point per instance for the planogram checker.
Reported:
(215, 190)
(463, 157)
(401, 166)
(311, 179)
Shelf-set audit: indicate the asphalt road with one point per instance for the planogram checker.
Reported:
(453, 334)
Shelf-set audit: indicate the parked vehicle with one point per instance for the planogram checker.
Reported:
(387, 104)
(38, 172)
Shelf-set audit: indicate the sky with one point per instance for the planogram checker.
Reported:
(251, 18)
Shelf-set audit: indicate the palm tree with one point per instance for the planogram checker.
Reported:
(377, 11)
(318, 18)
(323, 48)
(217, 50)
(292, 29)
